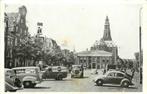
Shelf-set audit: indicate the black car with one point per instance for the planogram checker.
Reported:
(55, 72)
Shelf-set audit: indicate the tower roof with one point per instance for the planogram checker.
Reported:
(107, 32)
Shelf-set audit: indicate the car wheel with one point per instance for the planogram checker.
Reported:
(58, 78)
(18, 83)
(125, 84)
(13, 90)
(27, 84)
(99, 82)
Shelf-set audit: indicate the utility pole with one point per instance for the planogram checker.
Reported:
(140, 45)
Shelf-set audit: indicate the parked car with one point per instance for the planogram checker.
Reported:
(12, 83)
(77, 71)
(55, 72)
(114, 77)
(29, 76)
(9, 85)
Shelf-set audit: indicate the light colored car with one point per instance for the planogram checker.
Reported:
(77, 71)
(12, 83)
(114, 77)
(29, 76)
(55, 72)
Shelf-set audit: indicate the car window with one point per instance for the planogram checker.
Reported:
(50, 69)
(120, 75)
(111, 74)
(9, 73)
(19, 71)
(30, 71)
(22, 71)
(76, 67)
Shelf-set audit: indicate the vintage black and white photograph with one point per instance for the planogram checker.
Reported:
(73, 46)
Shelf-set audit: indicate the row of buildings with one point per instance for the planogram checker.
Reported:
(22, 49)
(16, 33)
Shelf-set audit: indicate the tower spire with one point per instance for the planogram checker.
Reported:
(107, 33)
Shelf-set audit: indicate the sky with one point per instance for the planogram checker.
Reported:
(77, 25)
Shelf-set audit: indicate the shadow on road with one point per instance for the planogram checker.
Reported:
(117, 86)
(39, 88)
(80, 78)
(57, 80)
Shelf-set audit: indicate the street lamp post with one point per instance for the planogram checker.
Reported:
(140, 45)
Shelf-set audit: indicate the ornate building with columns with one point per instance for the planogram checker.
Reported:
(103, 52)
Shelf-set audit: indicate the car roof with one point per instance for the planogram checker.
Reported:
(58, 66)
(26, 67)
(7, 69)
(116, 71)
(76, 65)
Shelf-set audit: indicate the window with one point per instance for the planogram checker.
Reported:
(19, 71)
(111, 74)
(22, 71)
(120, 75)
(30, 71)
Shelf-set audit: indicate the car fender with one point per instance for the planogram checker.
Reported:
(29, 78)
(9, 87)
(124, 80)
(100, 77)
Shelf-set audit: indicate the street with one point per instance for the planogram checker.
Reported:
(81, 85)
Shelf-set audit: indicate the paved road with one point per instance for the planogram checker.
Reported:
(80, 85)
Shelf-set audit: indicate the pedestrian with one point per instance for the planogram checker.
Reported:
(133, 72)
(140, 75)
(104, 71)
(69, 69)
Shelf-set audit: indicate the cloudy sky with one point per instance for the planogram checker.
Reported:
(78, 24)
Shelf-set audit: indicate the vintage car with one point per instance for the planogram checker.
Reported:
(9, 85)
(77, 71)
(29, 76)
(55, 72)
(114, 77)
(12, 83)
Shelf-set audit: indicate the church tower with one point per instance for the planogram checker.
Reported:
(107, 33)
